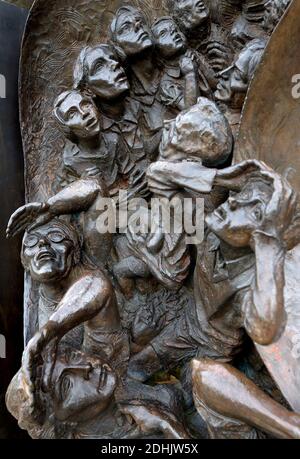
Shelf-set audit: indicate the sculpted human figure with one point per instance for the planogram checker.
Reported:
(98, 71)
(84, 399)
(132, 37)
(87, 150)
(72, 293)
(165, 254)
(179, 87)
(239, 285)
(234, 82)
(205, 36)
(242, 18)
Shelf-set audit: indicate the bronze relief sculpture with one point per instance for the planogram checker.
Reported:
(141, 334)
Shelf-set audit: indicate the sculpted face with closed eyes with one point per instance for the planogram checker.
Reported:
(81, 387)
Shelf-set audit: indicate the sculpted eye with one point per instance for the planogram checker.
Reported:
(31, 241)
(98, 66)
(71, 113)
(124, 29)
(56, 237)
(85, 105)
(163, 33)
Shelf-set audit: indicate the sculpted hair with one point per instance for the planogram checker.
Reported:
(113, 41)
(206, 132)
(288, 200)
(80, 72)
(162, 20)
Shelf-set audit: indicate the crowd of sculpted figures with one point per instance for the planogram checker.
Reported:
(142, 335)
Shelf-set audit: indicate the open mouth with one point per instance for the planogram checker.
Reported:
(91, 123)
(121, 78)
(46, 255)
(143, 36)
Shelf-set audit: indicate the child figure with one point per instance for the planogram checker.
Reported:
(179, 87)
(199, 139)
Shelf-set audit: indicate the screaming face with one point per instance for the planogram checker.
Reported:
(243, 213)
(48, 253)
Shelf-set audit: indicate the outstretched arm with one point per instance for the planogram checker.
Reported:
(77, 197)
(166, 178)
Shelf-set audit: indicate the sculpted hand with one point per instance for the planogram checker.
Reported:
(31, 357)
(235, 177)
(50, 356)
(92, 172)
(281, 208)
(151, 419)
(34, 215)
(218, 55)
(187, 64)
(147, 324)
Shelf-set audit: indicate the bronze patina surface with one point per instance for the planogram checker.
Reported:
(145, 334)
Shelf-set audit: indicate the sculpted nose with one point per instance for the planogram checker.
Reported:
(115, 65)
(137, 26)
(43, 242)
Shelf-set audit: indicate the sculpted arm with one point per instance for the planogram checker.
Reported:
(89, 297)
(166, 178)
(77, 197)
(264, 312)
(189, 71)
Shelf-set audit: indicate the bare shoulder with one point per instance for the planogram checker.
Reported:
(97, 282)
